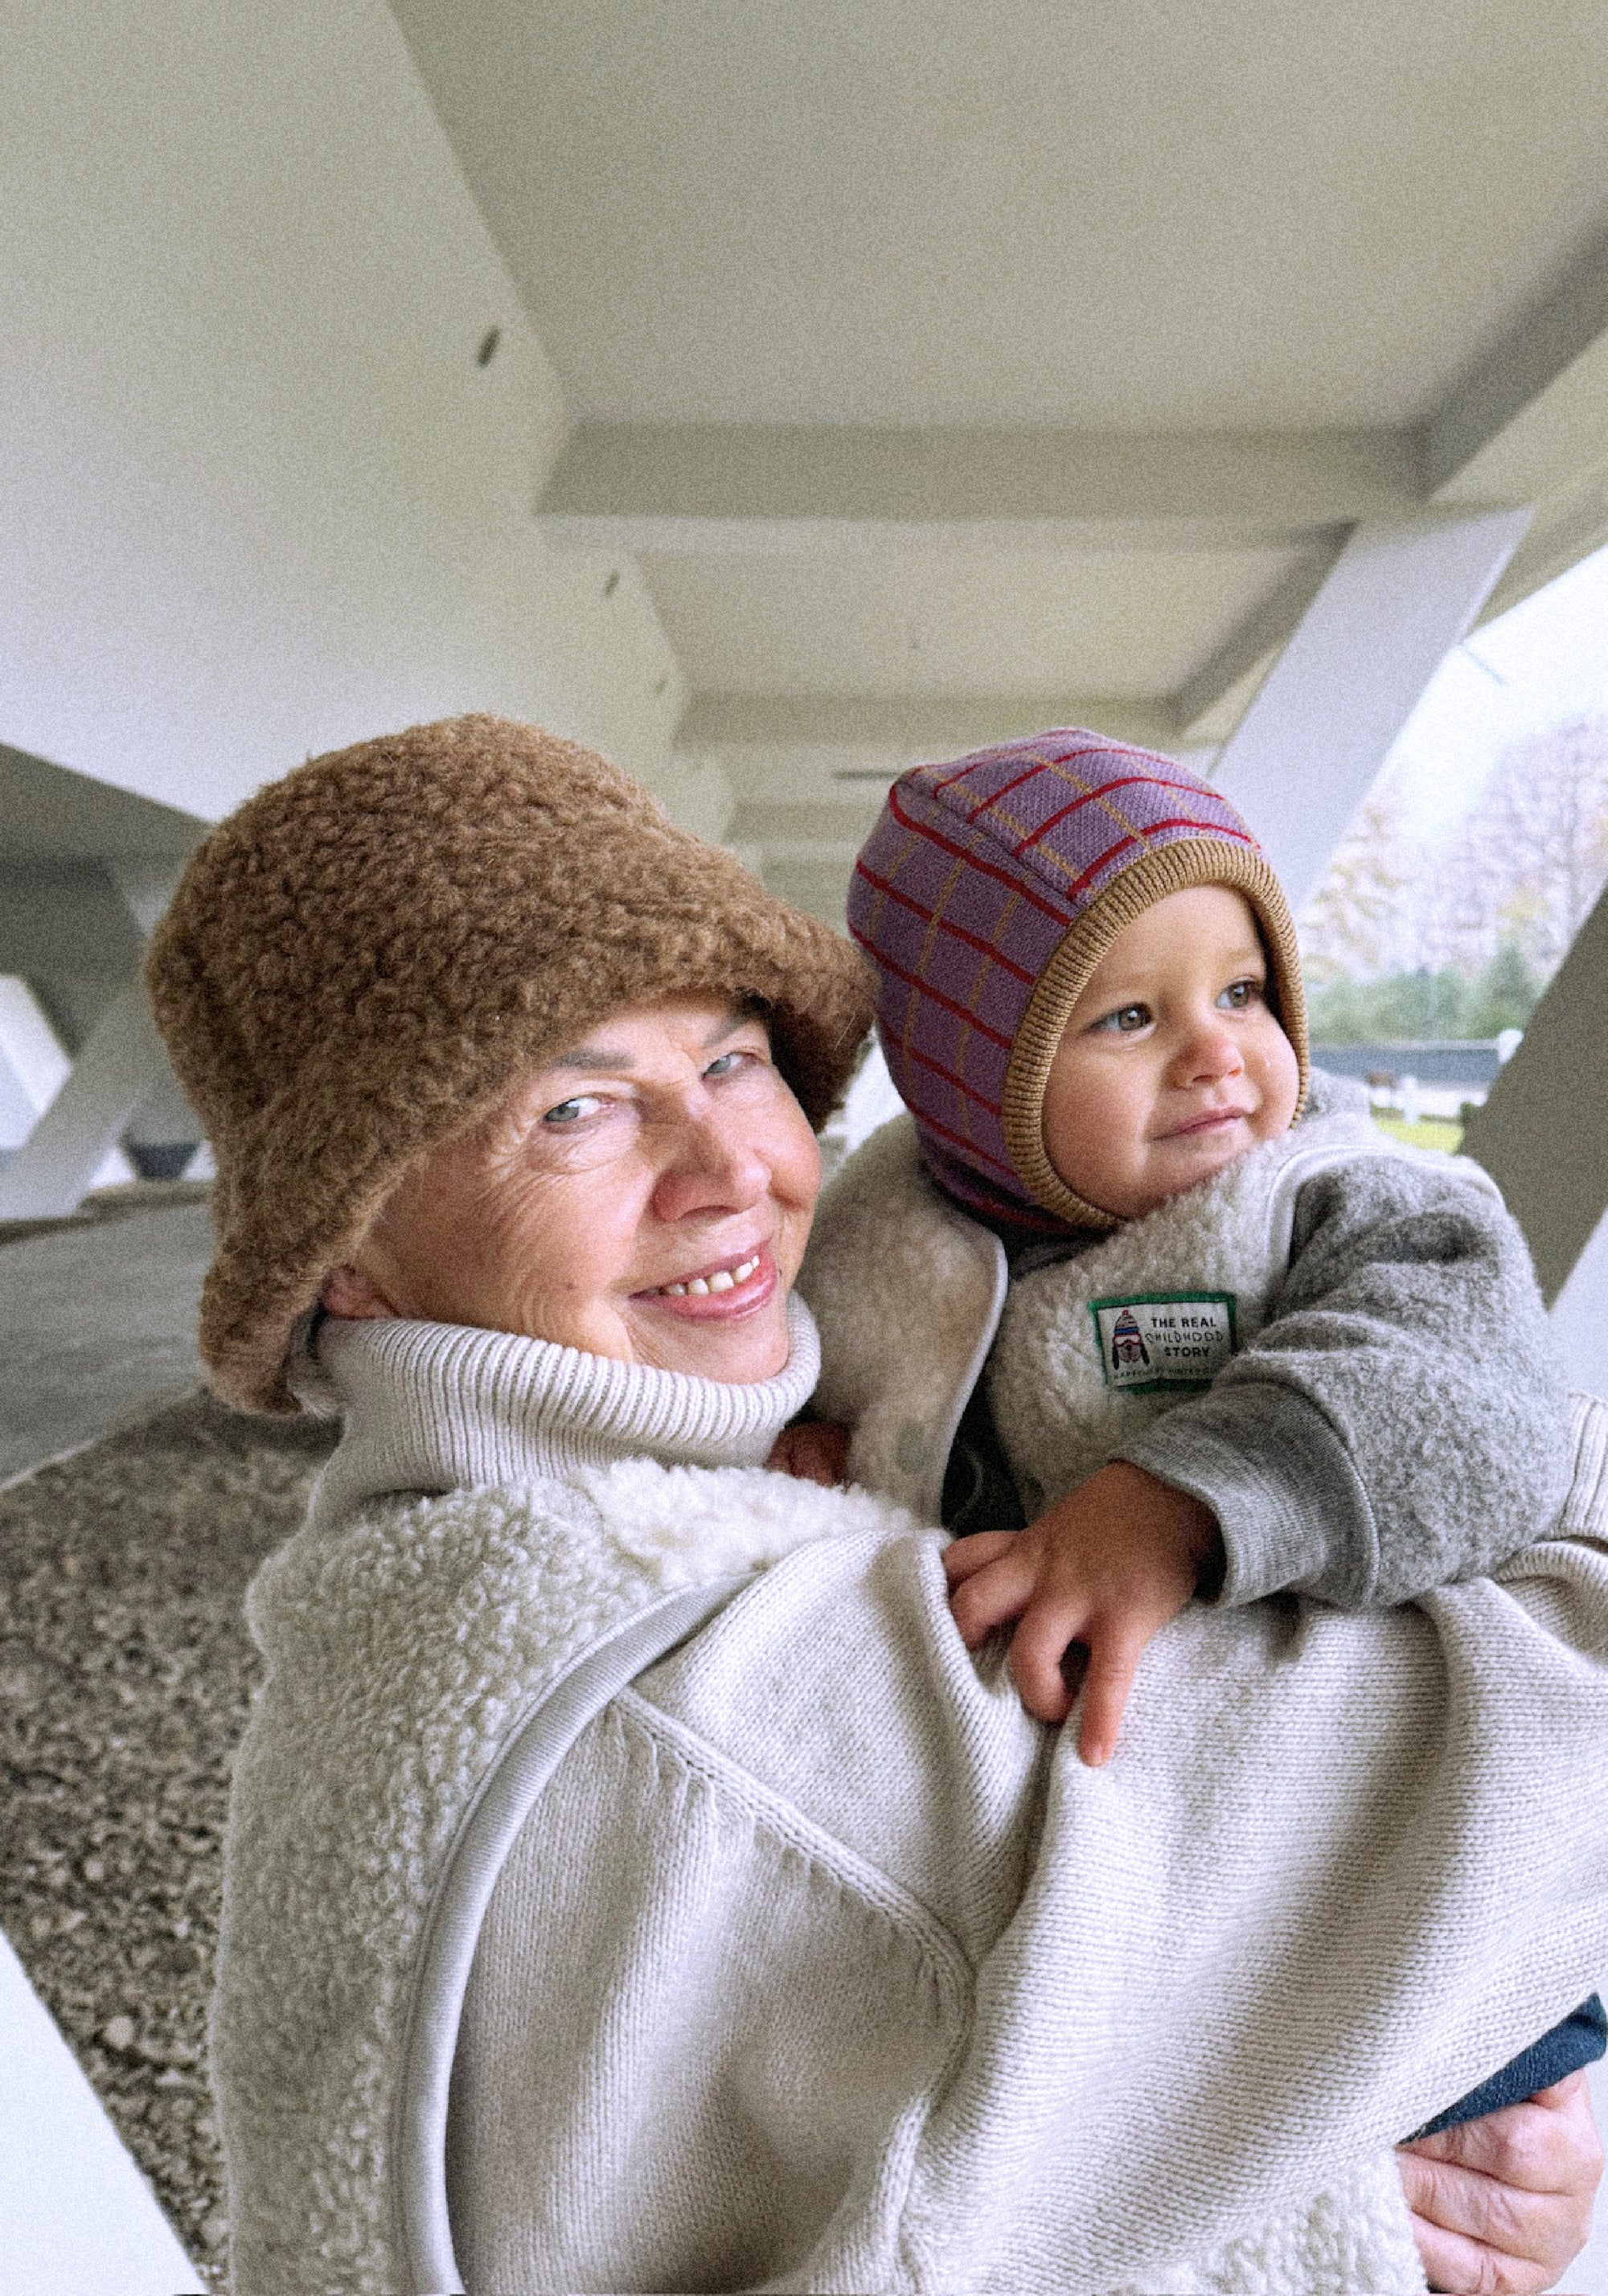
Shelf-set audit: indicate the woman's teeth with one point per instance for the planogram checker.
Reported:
(724, 1279)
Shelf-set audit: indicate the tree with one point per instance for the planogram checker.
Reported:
(1350, 926)
(1505, 994)
(1460, 939)
(1533, 855)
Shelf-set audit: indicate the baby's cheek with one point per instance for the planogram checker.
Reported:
(1280, 1084)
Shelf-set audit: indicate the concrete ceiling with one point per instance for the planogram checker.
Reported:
(1027, 361)
(1238, 216)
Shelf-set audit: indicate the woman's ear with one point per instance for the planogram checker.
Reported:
(349, 1291)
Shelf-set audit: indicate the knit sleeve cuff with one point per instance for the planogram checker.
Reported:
(1291, 1510)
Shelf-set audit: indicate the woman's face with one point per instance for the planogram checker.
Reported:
(647, 1197)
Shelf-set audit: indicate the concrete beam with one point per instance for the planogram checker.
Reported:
(76, 2211)
(1543, 1133)
(1533, 417)
(274, 415)
(1566, 530)
(915, 726)
(745, 486)
(1251, 641)
(843, 819)
(813, 878)
(1399, 596)
(50, 813)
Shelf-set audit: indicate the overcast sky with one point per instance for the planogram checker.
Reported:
(1544, 661)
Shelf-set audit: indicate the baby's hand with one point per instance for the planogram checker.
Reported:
(815, 1452)
(1105, 1569)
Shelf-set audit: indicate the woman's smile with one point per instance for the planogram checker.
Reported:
(736, 1285)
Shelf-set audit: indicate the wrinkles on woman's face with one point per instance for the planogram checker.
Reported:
(646, 1197)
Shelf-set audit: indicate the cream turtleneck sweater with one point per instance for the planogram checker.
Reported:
(433, 1407)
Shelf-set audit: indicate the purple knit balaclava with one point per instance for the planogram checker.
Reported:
(985, 896)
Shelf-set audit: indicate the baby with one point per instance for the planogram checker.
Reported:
(1239, 1341)
(1134, 1273)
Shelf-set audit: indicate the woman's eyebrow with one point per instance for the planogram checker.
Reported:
(608, 1056)
(594, 1056)
(739, 1017)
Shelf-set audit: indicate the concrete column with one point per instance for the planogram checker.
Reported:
(122, 1061)
(1402, 593)
(76, 2211)
(34, 1066)
(1543, 1133)
(1579, 1331)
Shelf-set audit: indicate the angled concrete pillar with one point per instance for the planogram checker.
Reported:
(122, 1061)
(1543, 1133)
(77, 2213)
(1579, 1332)
(1403, 591)
(34, 1066)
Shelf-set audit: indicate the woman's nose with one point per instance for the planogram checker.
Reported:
(712, 1166)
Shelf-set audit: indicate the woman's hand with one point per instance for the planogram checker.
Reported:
(1501, 2205)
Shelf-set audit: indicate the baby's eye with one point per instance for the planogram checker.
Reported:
(1127, 1021)
(1240, 995)
(572, 1111)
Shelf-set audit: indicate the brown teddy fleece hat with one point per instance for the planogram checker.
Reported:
(368, 956)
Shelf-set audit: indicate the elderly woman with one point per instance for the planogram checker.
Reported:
(632, 1882)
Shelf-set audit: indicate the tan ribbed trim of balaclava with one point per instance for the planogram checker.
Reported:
(1147, 879)
(362, 962)
(988, 891)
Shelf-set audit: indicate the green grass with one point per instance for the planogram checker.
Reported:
(1428, 1132)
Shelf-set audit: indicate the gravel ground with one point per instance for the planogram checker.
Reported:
(125, 1676)
(97, 1318)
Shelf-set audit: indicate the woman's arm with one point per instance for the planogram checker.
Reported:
(1502, 2204)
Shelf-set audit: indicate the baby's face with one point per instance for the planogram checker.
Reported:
(1171, 1063)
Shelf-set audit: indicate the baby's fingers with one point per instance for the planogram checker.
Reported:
(962, 1556)
(998, 1592)
(1114, 1660)
(1045, 1635)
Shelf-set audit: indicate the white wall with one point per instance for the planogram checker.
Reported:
(256, 497)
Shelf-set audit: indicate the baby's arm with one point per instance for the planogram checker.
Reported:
(1098, 1574)
(1395, 1425)
(1399, 1421)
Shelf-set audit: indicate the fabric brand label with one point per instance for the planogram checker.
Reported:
(1164, 1339)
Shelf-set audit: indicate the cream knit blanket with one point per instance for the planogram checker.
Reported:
(1424, 1878)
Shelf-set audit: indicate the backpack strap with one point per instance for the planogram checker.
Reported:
(505, 1798)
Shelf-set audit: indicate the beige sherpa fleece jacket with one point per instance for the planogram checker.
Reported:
(1382, 1413)
(804, 1960)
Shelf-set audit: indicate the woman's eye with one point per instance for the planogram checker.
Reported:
(728, 1064)
(1126, 1020)
(572, 1111)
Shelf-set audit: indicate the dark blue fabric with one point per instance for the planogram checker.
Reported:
(1579, 2040)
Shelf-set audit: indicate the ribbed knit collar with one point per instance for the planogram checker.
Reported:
(434, 1407)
